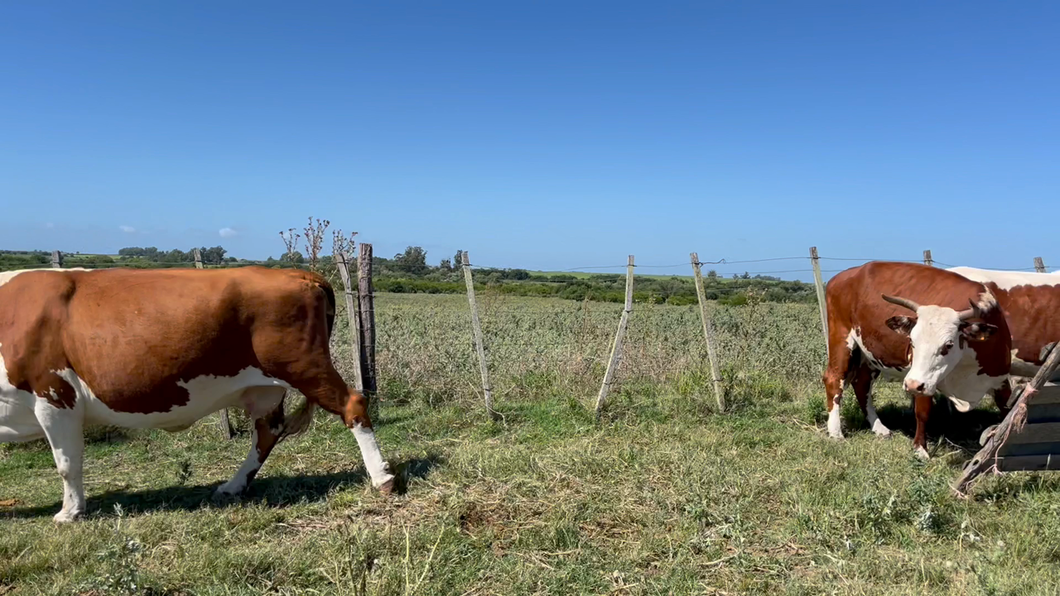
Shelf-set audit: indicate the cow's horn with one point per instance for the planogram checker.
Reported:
(913, 306)
(970, 313)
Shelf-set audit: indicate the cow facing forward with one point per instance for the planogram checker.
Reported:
(939, 331)
(163, 349)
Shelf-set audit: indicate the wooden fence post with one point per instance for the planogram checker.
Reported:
(197, 255)
(476, 325)
(57, 260)
(820, 294)
(707, 333)
(1039, 265)
(927, 259)
(366, 299)
(616, 348)
(353, 314)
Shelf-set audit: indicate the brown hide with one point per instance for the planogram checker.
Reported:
(1033, 316)
(132, 335)
(854, 299)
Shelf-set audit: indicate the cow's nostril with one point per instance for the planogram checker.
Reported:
(920, 388)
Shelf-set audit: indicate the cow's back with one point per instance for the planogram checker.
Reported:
(137, 337)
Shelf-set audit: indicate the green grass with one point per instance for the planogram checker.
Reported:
(665, 496)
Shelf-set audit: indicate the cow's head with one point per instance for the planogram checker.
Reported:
(939, 338)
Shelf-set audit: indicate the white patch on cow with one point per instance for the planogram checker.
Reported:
(886, 373)
(206, 395)
(377, 468)
(922, 453)
(18, 422)
(1006, 280)
(251, 465)
(835, 423)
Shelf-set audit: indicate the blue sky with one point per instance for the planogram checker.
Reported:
(545, 135)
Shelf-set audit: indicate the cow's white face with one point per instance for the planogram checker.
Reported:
(940, 339)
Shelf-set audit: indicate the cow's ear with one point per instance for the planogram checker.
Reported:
(977, 331)
(902, 324)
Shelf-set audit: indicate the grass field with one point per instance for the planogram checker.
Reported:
(665, 496)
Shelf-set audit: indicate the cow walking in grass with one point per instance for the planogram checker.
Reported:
(163, 349)
(935, 330)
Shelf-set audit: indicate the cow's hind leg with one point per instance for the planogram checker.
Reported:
(332, 394)
(265, 407)
(64, 428)
(863, 379)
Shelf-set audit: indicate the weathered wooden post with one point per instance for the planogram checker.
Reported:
(353, 315)
(815, 260)
(57, 260)
(616, 348)
(927, 259)
(476, 325)
(197, 255)
(708, 333)
(366, 300)
(1039, 265)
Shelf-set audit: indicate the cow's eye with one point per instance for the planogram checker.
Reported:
(946, 348)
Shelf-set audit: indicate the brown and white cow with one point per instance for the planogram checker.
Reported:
(1031, 302)
(939, 331)
(162, 349)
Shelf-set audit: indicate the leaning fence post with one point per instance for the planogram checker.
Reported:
(352, 313)
(616, 348)
(476, 325)
(927, 259)
(197, 255)
(366, 298)
(708, 333)
(1039, 265)
(820, 295)
(57, 260)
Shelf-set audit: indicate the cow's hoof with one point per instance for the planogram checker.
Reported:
(65, 517)
(921, 453)
(881, 430)
(226, 493)
(387, 488)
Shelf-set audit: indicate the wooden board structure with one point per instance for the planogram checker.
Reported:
(1028, 439)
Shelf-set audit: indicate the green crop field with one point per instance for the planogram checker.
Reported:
(664, 496)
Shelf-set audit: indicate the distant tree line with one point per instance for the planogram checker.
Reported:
(409, 272)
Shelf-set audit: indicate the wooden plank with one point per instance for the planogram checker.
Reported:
(1039, 265)
(1029, 463)
(815, 260)
(342, 263)
(985, 459)
(57, 260)
(708, 333)
(476, 325)
(366, 299)
(1011, 449)
(616, 348)
(1036, 433)
(1048, 395)
(1038, 413)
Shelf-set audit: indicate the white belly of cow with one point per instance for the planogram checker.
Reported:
(206, 395)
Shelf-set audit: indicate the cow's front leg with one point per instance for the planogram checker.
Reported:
(64, 428)
(922, 409)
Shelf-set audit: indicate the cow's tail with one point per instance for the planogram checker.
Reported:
(299, 421)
